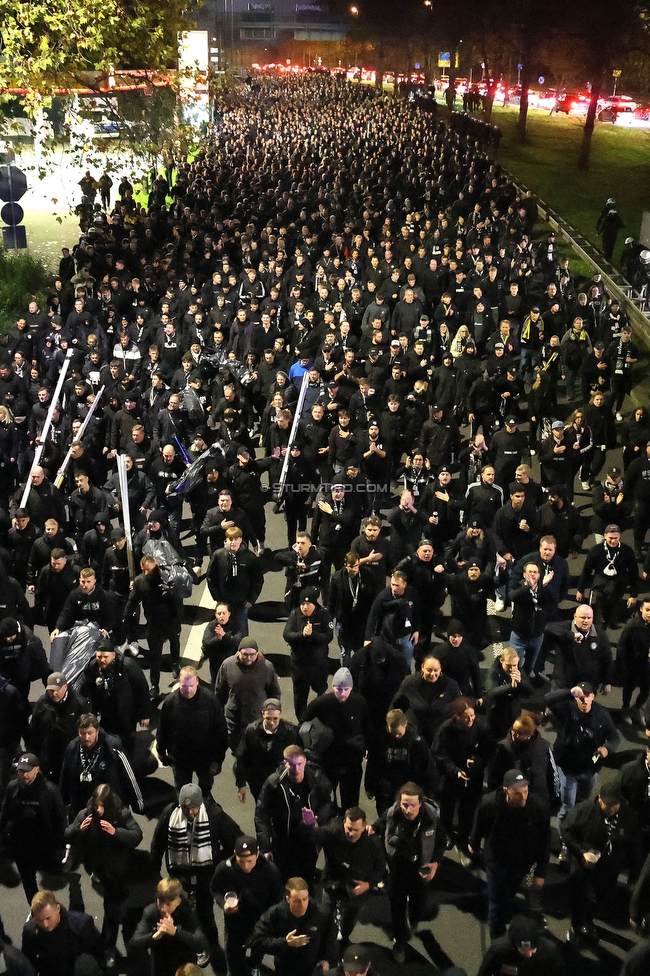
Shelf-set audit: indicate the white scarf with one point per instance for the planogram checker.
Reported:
(188, 841)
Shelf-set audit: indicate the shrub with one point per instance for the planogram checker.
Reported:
(22, 278)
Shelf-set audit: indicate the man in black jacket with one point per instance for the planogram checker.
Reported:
(54, 584)
(234, 575)
(351, 593)
(586, 735)
(192, 735)
(194, 836)
(345, 713)
(263, 745)
(22, 656)
(395, 615)
(414, 842)
(308, 632)
(162, 611)
(582, 652)
(53, 724)
(523, 950)
(257, 886)
(58, 942)
(96, 757)
(609, 570)
(169, 934)
(516, 830)
(294, 801)
(117, 692)
(633, 656)
(87, 602)
(601, 834)
(297, 932)
(32, 822)
(354, 868)
(635, 790)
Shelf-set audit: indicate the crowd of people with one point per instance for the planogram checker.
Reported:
(341, 313)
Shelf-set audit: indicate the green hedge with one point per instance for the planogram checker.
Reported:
(22, 278)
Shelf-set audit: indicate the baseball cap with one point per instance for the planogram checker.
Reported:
(117, 534)
(511, 421)
(614, 473)
(587, 687)
(246, 845)
(395, 342)
(557, 425)
(476, 523)
(515, 779)
(599, 345)
(524, 932)
(612, 527)
(190, 796)
(27, 762)
(356, 959)
(56, 680)
(272, 704)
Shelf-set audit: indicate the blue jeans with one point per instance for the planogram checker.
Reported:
(407, 647)
(241, 617)
(528, 649)
(575, 787)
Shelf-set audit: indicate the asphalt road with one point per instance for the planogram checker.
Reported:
(458, 935)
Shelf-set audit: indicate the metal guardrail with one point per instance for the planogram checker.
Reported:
(636, 306)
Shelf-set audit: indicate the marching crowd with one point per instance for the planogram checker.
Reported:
(343, 313)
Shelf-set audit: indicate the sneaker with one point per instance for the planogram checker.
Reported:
(585, 485)
(133, 650)
(563, 856)
(109, 958)
(202, 959)
(176, 670)
(399, 952)
(464, 859)
(640, 718)
(626, 717)
(619, 417)
(638, 554)
(499, 605)
(154, 692)
(533, 452)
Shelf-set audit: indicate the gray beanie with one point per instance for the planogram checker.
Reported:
(342, 679)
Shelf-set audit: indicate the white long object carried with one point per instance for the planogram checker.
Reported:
(48, 423)
(82, 430)
(293, 432)
(126, 512)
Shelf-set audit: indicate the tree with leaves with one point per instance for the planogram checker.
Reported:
(50, 43)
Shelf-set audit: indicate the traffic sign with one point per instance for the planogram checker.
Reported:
(12, 213)
(13, 183)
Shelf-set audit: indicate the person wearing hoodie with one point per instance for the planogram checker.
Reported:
(378, 670)
(96, 541)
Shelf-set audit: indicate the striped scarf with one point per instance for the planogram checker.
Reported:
(188, 841)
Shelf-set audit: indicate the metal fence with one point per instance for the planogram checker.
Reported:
(637, 306)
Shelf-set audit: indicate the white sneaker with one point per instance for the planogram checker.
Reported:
(619, 417)
(499, 605)
(585, 485)
(532, 452)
